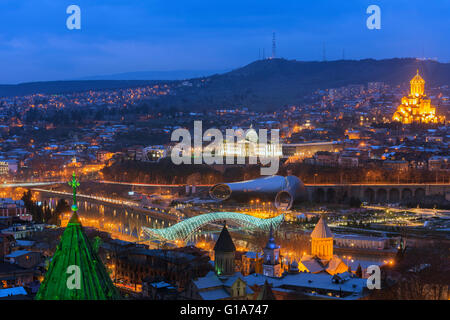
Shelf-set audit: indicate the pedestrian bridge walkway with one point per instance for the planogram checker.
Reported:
(182, 230)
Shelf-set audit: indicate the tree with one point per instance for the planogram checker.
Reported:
(32, 208)
(422, 274)
(359, 271)
(355, 202)
(47, 214)
(54, 217)
(27, 199)
(96, 243)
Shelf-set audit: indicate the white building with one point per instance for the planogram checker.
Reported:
(362, 242)
(4, 167)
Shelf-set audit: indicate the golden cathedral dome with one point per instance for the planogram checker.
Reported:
(417, 78)
(416, 107)
(417, 85)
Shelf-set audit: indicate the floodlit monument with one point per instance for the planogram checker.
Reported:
(322, 258)
(416, 107)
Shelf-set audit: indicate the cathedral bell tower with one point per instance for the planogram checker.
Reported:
(271, 261)
(224, 254)
(322, 241)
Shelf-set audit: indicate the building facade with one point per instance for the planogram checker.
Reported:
(416, 107)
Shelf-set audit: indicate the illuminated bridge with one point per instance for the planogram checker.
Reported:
(28, 184)
(185, 228)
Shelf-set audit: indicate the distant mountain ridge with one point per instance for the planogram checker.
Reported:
(156, 75)
(61, 87)
(263, 84)
(269, 84)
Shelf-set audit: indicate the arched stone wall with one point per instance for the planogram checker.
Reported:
(319, 195)
(369, 195)
(331, 195)
(394, 195)
(419, 193)
(406, 194)
(382, 195)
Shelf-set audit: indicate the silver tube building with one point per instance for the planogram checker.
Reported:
(283, 191)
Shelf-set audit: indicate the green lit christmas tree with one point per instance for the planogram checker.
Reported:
(76, 272)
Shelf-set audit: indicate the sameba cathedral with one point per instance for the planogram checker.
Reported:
(417, 108)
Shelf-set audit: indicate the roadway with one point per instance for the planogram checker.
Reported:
(32, 184)
(422, 211)
(114, 202)
(28, 184)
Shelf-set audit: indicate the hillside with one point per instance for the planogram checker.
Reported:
(263, 84)
(268, 84)
(155, 75)
(56, 87)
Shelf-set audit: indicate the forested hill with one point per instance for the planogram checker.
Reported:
(263, 84)
(267, 84)
(56, 87)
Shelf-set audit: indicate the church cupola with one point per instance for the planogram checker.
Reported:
(322, 241)
(417, 85)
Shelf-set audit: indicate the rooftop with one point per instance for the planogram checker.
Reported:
(321, 230)
(224, 242)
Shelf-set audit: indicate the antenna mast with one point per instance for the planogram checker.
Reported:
(274, 46)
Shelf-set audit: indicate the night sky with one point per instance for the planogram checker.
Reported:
(160, 35)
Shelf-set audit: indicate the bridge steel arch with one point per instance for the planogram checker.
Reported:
(183, 229)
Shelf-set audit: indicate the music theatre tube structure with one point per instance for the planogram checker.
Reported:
(282, 191)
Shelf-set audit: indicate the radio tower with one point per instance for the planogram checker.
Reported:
(274, 46)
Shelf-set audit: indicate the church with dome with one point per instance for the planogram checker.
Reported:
(322, 258)
(416, 107)
(271, 260)
(320, 275)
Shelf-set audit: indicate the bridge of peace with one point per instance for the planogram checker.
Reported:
(153, 223)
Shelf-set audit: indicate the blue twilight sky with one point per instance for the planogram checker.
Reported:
(160, 35)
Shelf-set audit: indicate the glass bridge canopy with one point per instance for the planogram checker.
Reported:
(182, 230)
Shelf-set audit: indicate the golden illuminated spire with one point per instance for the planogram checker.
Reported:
(417, 85)
(417, 108)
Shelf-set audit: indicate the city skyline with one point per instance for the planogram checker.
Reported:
(246, 152)
(37, 46)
